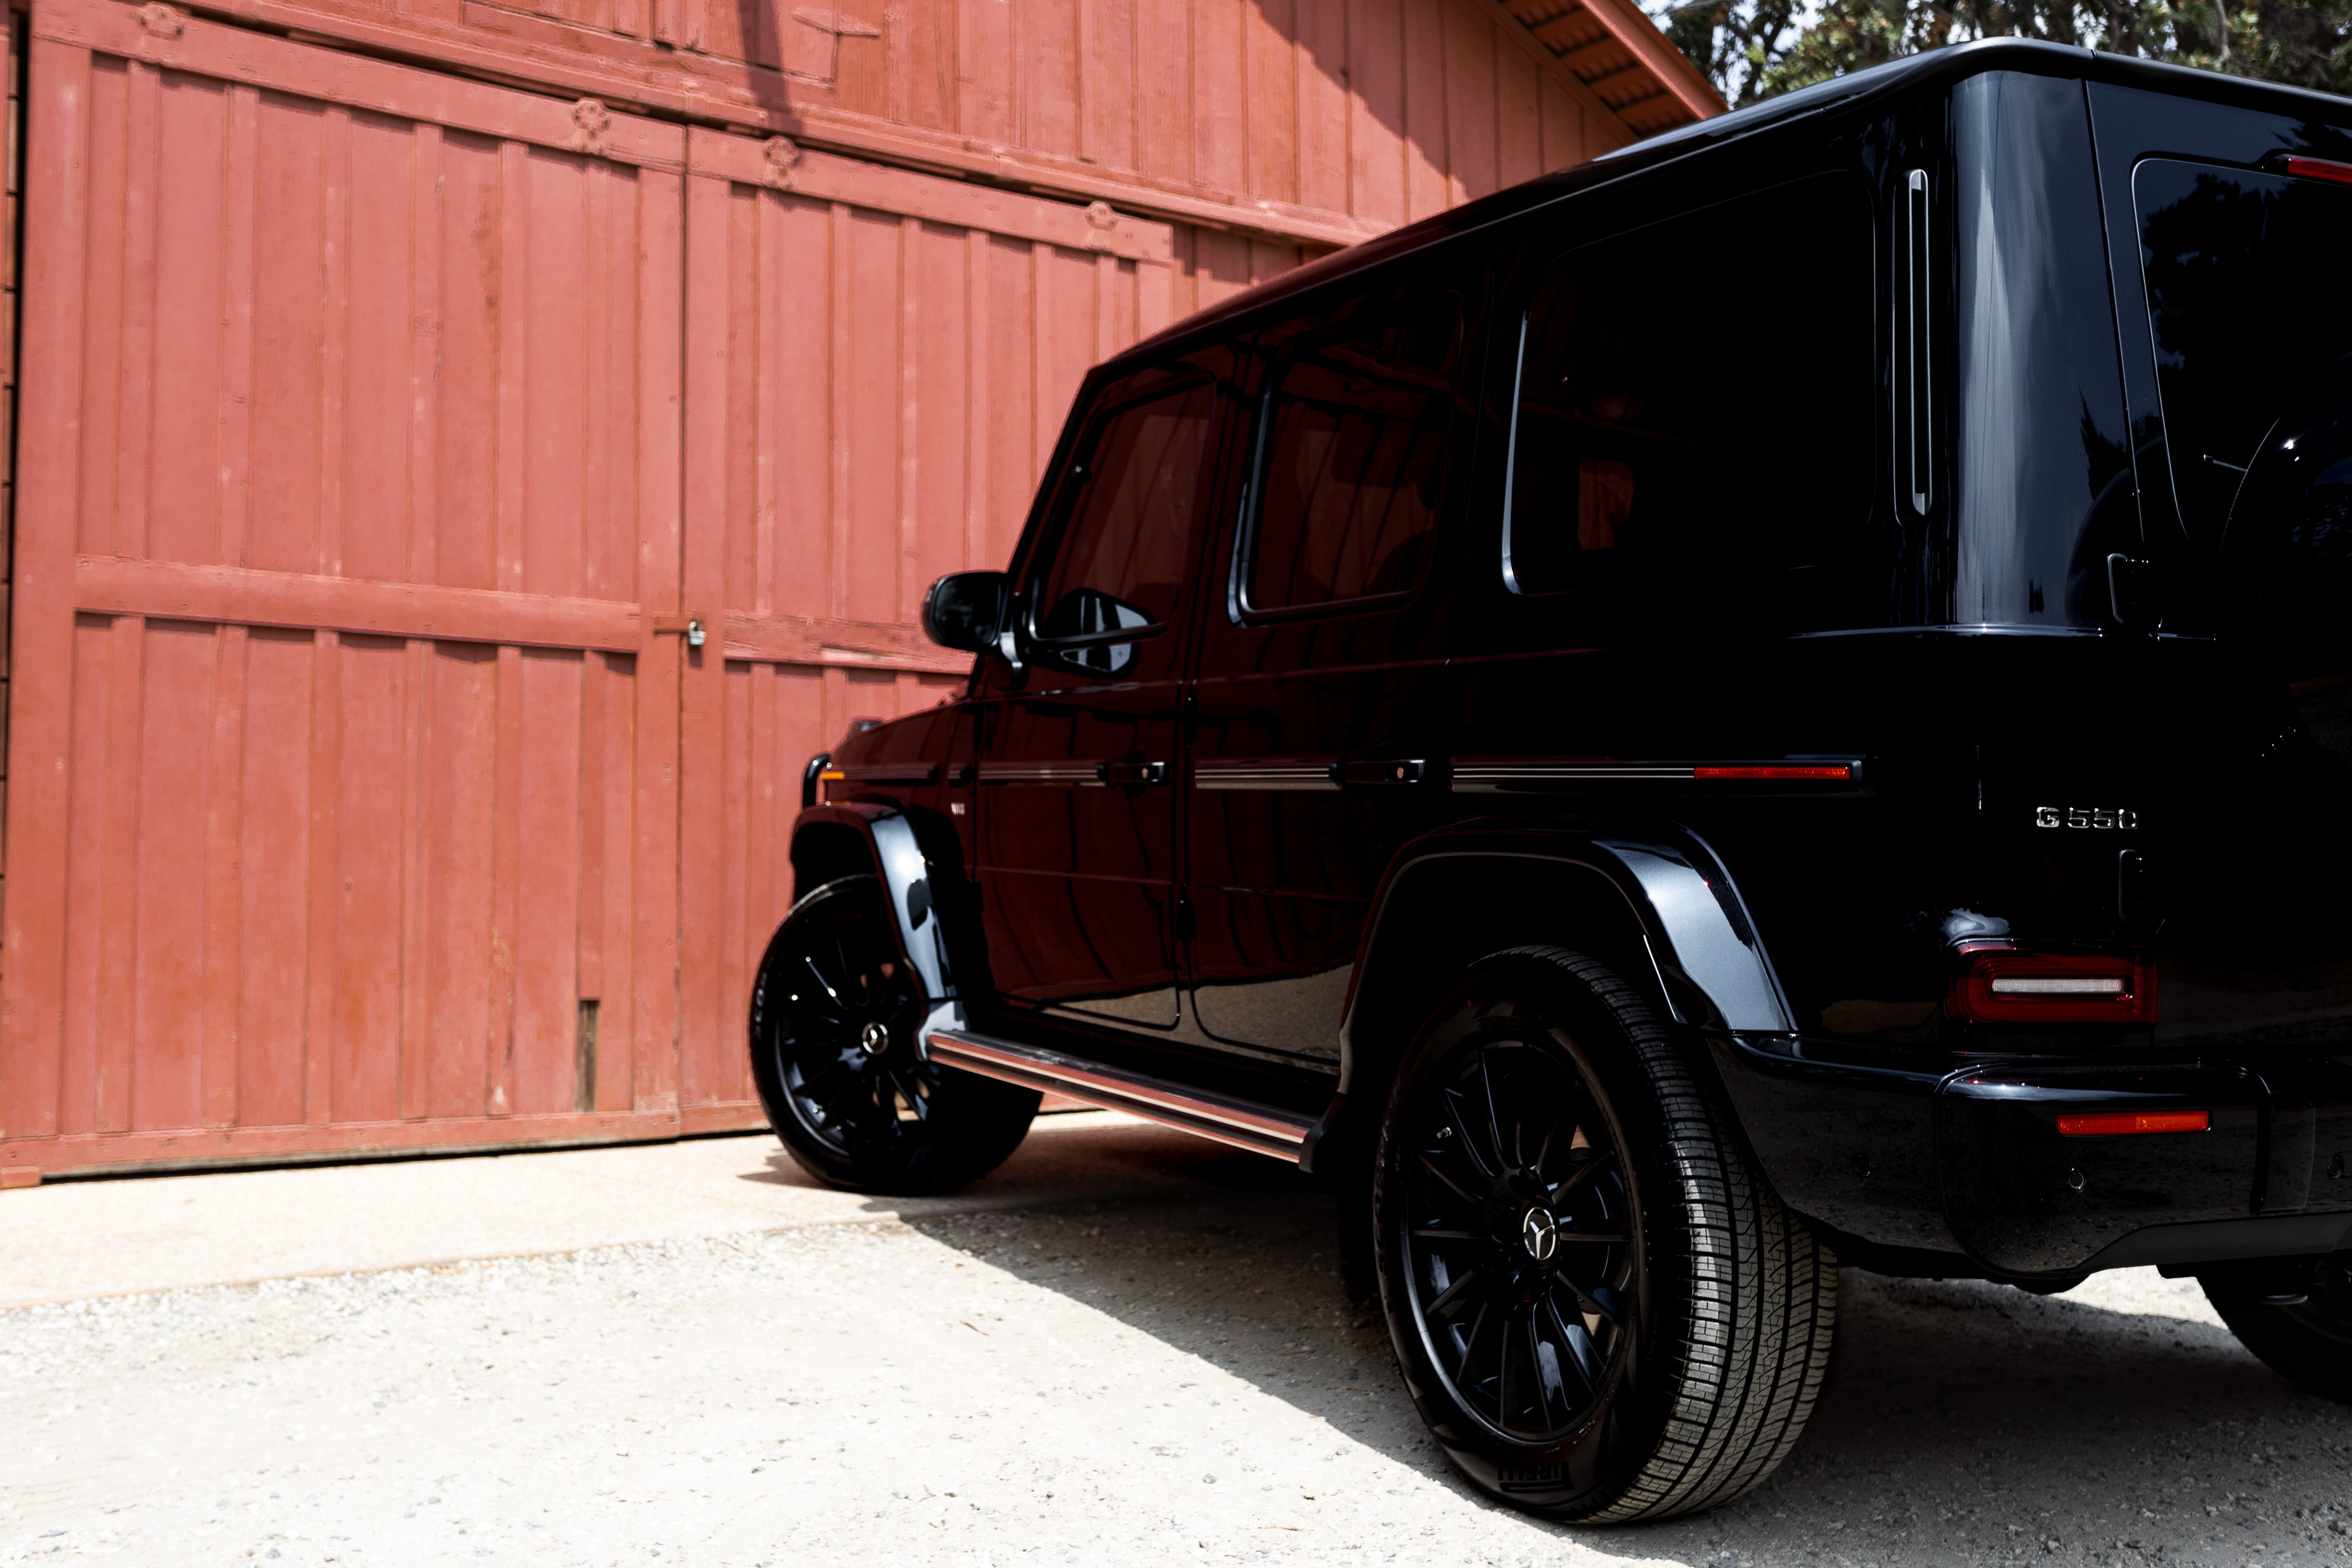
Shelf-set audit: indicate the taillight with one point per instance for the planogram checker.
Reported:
(2313, 168)
(2126, 1123)
(2002, 986)
(1786, 773)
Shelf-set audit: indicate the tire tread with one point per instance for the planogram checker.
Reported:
(1764, 1298)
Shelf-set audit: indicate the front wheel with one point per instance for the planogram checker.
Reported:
(1602, 1311)
(2309, 1342)
(835, 1013)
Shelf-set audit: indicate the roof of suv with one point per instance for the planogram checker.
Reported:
(1934, 69)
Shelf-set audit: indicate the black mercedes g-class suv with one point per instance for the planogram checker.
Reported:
(1780, 698)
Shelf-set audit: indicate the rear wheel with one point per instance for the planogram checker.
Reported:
(1601, 1311)
(835, 1015)
(2308, 1342)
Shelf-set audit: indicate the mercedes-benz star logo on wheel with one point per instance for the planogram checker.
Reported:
(1540, 1234)
(876, 1039)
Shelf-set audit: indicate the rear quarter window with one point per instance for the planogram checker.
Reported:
(1671, 456)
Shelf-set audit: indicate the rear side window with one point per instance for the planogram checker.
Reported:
(1657, 445)
(1353, 464)
(1132, 526)
(2241, 269)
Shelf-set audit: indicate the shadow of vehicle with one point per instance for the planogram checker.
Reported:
(1963, 1422)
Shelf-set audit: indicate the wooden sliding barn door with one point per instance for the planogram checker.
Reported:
(344, 726)
(383, 433)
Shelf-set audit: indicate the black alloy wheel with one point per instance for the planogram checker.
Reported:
(1520, 1237)
(2309, 1342)
(835, 1013)
(1602, 1309)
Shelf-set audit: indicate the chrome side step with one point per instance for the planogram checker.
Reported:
(1262, 1129)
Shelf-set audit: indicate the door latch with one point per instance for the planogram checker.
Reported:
(690, 626)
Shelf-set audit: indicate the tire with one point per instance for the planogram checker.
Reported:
(2309, 1343)
(835, 1014)
(1601, 1311)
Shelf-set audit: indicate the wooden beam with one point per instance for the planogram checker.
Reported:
(1668, 64)
(1520, 33)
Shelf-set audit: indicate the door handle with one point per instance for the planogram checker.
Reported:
(1132, 773)
(1385, 771)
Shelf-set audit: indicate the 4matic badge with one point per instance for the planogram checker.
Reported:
(2090, 816)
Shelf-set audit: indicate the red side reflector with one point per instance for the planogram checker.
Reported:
(1800, 771)
(2001, 985)
(2118, 1123)
(2313, 169)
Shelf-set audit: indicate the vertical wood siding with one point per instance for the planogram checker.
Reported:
(351, 488)
(382, 425)
(879, 365)
(1358, 113)
(378, 423)
(11, 236)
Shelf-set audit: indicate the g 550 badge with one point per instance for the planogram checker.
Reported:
(2097, 818)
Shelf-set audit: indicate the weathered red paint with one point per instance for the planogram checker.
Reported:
(384, 428)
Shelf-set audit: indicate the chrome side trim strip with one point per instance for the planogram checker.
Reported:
(1041, 773)
(1483, 775)
(1271, 774)
(1262, 1129)
(1487, 775)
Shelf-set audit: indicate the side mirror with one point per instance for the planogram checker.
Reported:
(965, 611)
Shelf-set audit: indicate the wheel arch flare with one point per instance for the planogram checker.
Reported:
(895, 854)
(1656, 901)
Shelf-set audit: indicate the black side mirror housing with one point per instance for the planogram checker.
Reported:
(965, 610)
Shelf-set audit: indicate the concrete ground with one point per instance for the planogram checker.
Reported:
(1127, 1346)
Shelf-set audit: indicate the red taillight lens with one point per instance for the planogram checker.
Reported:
(2122, 1124)
(2003, 986)
(1811, 773)
(2313, 169)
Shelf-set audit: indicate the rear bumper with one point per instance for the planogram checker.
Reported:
(1973, 1161)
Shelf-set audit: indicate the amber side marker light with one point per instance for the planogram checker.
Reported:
(2313, 169)
(2122, 1124)
(1813, 771)
(2002, 986)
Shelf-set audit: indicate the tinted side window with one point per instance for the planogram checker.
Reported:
(2236, 264)
(1354, 461)
(1131, 525)
(1653, 446)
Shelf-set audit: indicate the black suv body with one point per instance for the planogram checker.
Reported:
(1782, 696)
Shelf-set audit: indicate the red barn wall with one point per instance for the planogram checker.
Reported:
(384, 425)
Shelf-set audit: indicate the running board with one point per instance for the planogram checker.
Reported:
(1260, 1129)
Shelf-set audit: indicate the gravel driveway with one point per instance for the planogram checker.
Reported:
(1169, 1378)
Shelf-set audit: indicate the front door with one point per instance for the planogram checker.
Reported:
(1075, 745)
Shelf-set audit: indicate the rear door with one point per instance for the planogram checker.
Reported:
(1319, 728)
(2252, 839)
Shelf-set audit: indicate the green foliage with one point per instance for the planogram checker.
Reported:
(1753, 49)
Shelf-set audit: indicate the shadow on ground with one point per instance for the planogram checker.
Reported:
(1962, 1422)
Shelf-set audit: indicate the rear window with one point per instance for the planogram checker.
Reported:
(2243, 271)
(1657, 446)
